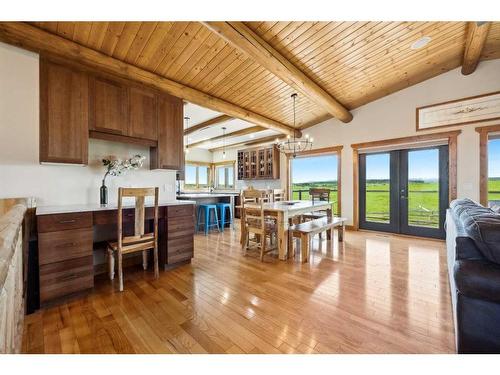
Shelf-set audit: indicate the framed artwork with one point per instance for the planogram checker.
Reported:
(469, 110)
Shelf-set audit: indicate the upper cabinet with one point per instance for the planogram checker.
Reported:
(64, 114)
(108, 106)
(259, 163)
(142, 114)
(74, 104)
(170, 151)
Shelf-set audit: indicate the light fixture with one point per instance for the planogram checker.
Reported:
(292, 145)
(223, 142)
(252, 135)
(420, 43)
(186, 149)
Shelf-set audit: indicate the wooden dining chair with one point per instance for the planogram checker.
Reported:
(254, 221)
(140, 241)
(278, 195)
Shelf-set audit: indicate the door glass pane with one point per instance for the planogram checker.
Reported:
(423, 188)
(378, 207)
(494, 172)
(190, 181)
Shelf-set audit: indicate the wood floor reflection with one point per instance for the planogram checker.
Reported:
(372, 294)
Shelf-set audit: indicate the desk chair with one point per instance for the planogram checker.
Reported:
(140, 241)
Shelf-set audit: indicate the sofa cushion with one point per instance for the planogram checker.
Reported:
(481, 224)
(478, 279)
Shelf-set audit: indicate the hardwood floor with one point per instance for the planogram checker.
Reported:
(373, 294)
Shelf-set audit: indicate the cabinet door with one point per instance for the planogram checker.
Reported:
(170, 151)
(142, 114)
(108, 106)
(64, 114)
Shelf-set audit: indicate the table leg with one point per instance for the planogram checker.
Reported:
(341, 232)
(282, 236)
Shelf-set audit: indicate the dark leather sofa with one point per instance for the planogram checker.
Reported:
(473, 245)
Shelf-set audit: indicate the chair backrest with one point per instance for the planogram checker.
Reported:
(252, 196)
(320, 194)
(140, 195)
(278, 195)
(253, 217)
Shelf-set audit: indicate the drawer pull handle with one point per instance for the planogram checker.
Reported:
(67, 221)
(68, 244)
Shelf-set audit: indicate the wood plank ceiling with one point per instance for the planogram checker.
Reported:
(355, 62)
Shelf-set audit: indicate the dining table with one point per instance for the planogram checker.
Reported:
(283, 211)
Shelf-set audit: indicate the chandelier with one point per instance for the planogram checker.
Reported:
(292, 145)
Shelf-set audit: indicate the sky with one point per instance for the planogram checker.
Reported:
(494, 158)
(317, 168)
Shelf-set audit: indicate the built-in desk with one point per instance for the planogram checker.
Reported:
(70, 236)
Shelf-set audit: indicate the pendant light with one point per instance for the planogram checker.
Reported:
(186, 149)
(223, 142)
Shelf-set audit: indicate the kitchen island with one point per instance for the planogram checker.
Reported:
(206, 197)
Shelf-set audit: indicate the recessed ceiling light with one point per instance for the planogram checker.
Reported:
(252, 135)
(422, 42)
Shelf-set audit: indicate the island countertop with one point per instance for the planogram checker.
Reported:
(49, 210)
(206, 195)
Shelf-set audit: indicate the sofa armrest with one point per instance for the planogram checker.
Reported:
(478, 279)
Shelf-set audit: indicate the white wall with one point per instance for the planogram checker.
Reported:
(394, 116)
(21, 174)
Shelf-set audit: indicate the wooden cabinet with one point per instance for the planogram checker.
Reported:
(261, 163)
(75, 105)
(108, 106)
(65, 245)
(64, 114)
(170, 151)
(142, 114)
(179, 234)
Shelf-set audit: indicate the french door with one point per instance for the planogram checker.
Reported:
(404, 191)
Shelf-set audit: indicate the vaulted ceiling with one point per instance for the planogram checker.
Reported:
(354, 62)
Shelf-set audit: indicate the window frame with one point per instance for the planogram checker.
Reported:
(225, 165)
(334, 150)
(484, 135)
(197, 165)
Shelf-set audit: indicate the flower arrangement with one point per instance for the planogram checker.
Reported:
(116, 167)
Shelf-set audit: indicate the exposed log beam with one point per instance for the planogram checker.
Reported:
(34, 39)
(243, 38)
(206, 124)
(255, 143)
(476, 37)
(237, 133)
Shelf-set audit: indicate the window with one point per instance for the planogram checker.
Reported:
(320, 171)
(224, 176)
(494, 171)
(197, 176)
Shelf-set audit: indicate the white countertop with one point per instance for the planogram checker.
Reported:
(48, 210)
(206, 195)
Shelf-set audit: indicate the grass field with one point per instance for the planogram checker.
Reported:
(423, 199)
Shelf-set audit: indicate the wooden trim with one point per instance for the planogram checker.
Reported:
(476, 38)
(454, 101)
(484, 132)
(243, 38)
(122, 138)
(451, 136)
(206, 124)
(333, 150)
(34, 39)
(404, 140)
(253, 143)
(237, 133)
(355, 189)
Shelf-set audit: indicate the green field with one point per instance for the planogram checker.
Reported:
(494, 189)
(304, 191)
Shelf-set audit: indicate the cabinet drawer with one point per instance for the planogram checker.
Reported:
(180, 244)
(180, 255)
(63, 278)
(58, 222)
(183, 210)
(111, 216)
(58, 246)
(180, 224)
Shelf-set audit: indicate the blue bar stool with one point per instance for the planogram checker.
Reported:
(222, 207)
(206, 209)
